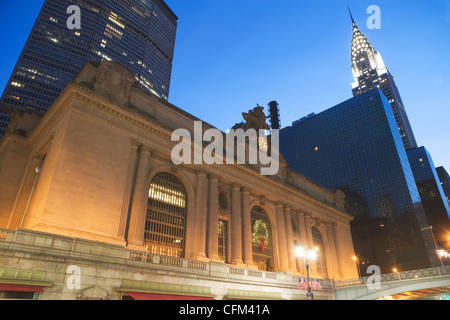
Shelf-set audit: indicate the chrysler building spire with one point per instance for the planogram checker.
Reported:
(369, 72)
(351, 16)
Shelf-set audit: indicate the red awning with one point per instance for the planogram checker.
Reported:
(20, 288)
(154, 296)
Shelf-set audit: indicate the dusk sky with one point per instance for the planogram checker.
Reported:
(233, 54)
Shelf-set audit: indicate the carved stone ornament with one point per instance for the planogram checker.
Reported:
(224, 200)
(254, 119)
(339, 200)
(93, 293)
(114, 80)
(22, 122)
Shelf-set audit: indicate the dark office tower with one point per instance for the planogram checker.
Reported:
(274, 115)
(445, 181)
(369, 72)
(356, 147)
(139, 34)
(431, 193)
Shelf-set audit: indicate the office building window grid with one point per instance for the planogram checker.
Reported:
(137, 34)
(356, 147)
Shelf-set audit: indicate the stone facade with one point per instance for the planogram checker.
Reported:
(99, 147)
(110, 272)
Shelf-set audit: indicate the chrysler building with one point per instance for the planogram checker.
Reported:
(369, 72)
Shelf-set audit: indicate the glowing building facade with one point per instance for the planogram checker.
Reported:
(109, 200)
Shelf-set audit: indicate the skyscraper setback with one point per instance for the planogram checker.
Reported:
(137, 34)
(369, 71)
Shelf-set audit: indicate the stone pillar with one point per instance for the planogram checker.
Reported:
(140, 200)
(282, 244)
(213, 218)
(246, 227)
(128, 193)
(334, 273)
(338, 251)
(303, 241)
(289, 238)
(310, 242)
(199, 252)
(236, 225)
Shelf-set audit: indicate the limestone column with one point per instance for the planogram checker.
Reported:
(213, 218)
(303, 240)
(199, 252)
(282, 245)
(338, 251)
(310, 242)
(128, 191)
(246, 227)
(236, 225)
(140, 199)
(334, 272)
(289, 238)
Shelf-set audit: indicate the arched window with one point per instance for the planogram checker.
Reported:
(165, 224)
(262, 241)
(321, 261)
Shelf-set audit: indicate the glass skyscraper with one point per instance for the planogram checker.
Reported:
(445, 181)
(356, 147)
(369, 72)
(139, 34)
(431, 194)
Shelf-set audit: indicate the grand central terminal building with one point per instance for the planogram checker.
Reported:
(93, 207)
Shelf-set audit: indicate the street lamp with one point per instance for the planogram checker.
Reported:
(442, 253)
(310, 254)
(38, 171)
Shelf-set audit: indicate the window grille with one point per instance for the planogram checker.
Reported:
(165, 226)
(223, 239)
(321, 261)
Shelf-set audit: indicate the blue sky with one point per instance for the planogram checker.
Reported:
(232, 54)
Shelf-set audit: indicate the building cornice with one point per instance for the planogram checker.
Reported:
(269, 186)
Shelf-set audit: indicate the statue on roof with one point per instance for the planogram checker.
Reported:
(254, 119)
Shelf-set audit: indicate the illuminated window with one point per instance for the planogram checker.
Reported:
(223, 240)
(111, 18)
(262, 242)
(321, 261)
(165, 226)
(111, 32)
(17, 84)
